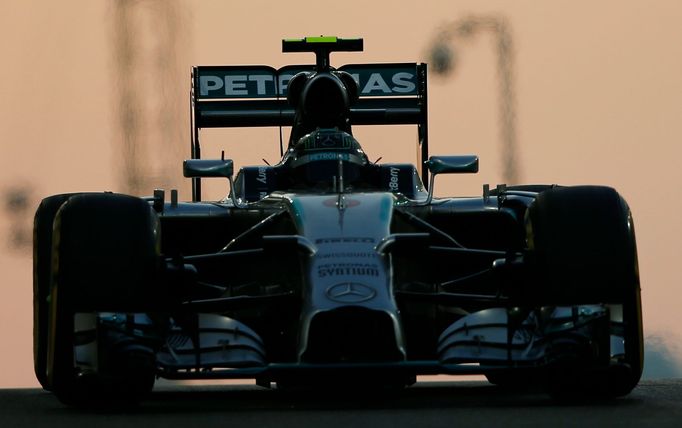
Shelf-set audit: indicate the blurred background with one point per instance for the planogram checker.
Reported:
(94, 96)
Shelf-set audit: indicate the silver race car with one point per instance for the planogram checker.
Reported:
(328, 269)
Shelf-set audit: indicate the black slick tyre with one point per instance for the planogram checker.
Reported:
(105, 257)
(582, 244)
(42, 261)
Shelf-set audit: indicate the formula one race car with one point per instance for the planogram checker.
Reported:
(327, 269)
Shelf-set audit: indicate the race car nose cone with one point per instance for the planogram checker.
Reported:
(350, 292)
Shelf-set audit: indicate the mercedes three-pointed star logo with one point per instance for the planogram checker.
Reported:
(350, 292)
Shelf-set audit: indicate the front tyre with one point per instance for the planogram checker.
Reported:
(582, 243)
(105, 258)
(42, 260)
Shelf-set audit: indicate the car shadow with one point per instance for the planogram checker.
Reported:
(430, 395)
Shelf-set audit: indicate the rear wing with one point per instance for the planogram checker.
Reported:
(254, 96)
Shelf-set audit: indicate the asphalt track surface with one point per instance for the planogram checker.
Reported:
(436, 404)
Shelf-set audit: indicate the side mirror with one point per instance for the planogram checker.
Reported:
(207, 168)
(449, 165)
(452, 164)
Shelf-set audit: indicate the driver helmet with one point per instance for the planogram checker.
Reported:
(315, 157)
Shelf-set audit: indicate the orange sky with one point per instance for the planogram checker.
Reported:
(598, 87)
